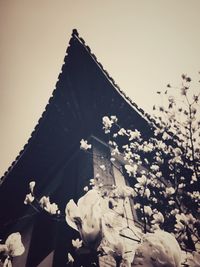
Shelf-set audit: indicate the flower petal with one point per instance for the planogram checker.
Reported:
(14, 244)
(71, 212)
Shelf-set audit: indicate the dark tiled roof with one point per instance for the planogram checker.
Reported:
(140, 111)
(84, 94)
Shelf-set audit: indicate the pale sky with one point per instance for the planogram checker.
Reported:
(143, 44)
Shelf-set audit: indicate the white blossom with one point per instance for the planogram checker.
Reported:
(177, 151)
(77, 243)
(157, 131)
(114, 245)
(181, 185)
(115, 151)
(158, 249)
(122, 132)
(158, 218)
(84, 145)
(171, 202)
(32, 186)
(131, 169)
(154, 167)
(193, 259)
(7, 262)
(142, 181)
(159, 174)
(148, 210)
(114, 119)
(181, 222)
(170, 191)
(161, 145)
(107, 124)
(133, 134)
(85, 217)
(137, 206)
(13, 245)
(51, 208)
(147, 192)
(70, 258)
(123, 191)
(147, 147)
(165, 136)
(29, 199)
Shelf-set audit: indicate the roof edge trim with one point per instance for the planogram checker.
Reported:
(150, 120)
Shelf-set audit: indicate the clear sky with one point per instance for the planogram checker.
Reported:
(143, 44)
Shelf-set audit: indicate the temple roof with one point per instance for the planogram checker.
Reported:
(84, 93)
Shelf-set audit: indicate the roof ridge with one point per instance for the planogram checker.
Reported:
(146, 115)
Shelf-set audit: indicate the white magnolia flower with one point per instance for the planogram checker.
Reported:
(115, 151)
(174, 212)
(165, 136)
(131, 169)
(84, 145)
(157, 131)
(114, 245)
(147, 192)
(29, 199)
(124, 191)
(142, 180)
(154, 168)
(137, 206)
(77, 243)
(85, 217)
(51, 208)
(13, 245)
(158, 218)
(158, 249)
(122, 132)
(32, 186)
(182, 220)
(177, 151)
(7, 262)
(181, 185)
(161, 145)
(193, 260)
(134, 134)
(147, 147)
(170, 191)
(171, 202)
(107, 123)
(70, 258)
(128, 155)
(114, 118)
(148, 210)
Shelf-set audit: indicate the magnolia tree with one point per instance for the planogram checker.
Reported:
(163, 177)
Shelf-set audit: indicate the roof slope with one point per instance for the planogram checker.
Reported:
(84, 94)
